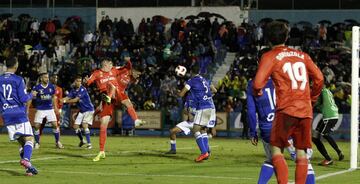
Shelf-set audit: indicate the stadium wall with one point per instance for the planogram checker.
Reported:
(228, 124)
(312, 16)
(233, 13)
(88, 14)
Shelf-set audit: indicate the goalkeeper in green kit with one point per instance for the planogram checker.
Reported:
(330, 117)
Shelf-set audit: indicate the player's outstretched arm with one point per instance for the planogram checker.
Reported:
(70, 100)
(251, 113)
(317, 78)
(184, 90)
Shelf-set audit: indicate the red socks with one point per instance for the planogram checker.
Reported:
(132, 113)
(281, 169)
(102, 138)
(301, 170)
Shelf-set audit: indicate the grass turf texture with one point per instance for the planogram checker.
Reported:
(142, 160)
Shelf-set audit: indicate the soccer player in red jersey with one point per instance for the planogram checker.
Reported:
(103, 77)
(291, 71)
(126, 75)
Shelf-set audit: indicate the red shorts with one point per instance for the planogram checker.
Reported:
(285, 126)
(106, 109)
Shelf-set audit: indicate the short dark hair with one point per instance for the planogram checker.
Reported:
(42, 73)
(276, 32)
(11, 62)
(195, 69)
(78, 77)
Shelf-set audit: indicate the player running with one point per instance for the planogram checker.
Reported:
(85, 117)
(330, 114)
(264, 107)
(205, 114)
(291, 71)
(13, 98)
(45, 109)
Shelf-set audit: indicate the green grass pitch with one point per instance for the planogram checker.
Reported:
(142, 160)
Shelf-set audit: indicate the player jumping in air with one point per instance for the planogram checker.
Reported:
(85, 117)
(102, 77)
(125, 75)
(13, 98)
(330, 114)
(291, 71)
(45, 109)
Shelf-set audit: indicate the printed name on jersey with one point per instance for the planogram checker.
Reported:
(107, 79)
(281, 55)
(7, 106)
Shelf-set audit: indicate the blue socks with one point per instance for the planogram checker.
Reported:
(28, 147)
(267, 170)
(200, 142)
(205, 139)
(87, 135)
(56, 135)
(37, 136)
(173, 145)
(310, 179)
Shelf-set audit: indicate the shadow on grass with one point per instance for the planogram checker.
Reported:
(12, 172)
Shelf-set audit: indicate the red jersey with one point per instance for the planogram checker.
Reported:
(59, 96)
(102, 79)
(124, 76)
(290, 70)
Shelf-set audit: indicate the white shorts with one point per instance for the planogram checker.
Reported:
(205, 117)
(48, 114)
(186, 126)
(20, 129)
(85, 117)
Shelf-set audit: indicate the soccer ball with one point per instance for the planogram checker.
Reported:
(180, 71)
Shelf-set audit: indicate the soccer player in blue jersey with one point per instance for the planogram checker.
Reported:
(13, 99)
(85, 117)
(264, 107)
(45, 108)
(205, 114)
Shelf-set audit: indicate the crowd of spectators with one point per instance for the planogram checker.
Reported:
(158, 44)
(327, 44)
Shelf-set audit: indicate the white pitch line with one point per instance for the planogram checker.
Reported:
(330, 174)
(136, 174)
(333, 174)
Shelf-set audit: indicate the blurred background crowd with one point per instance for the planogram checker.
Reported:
(158, 44)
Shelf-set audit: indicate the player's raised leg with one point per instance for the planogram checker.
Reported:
(131, 111)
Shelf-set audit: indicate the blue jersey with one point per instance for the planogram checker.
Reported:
(84, 103)
(44, 96)
(264, 106)
(190, 104)
(201, 91)
(13, 97)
